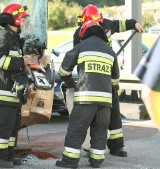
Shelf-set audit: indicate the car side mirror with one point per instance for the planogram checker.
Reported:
(54, 52)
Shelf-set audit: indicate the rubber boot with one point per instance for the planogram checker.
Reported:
(15, 161)
(67, 162)
(119, 152)
(95, 163)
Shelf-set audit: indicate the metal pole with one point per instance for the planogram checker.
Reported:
(133, 51)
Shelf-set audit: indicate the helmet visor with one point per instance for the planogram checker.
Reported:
(25, 26)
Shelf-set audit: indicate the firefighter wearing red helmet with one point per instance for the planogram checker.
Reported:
(95, 60)
(12, 62)
(115, 142)
(91, 12)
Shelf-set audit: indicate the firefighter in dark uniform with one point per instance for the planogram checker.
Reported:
(148, 71)
(115, 142)
(11, 63)
(96, 67)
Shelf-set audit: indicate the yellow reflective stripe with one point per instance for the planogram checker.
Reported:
(71, 155)
(11, 143)
(120, 91)
(18, 11)
(79, 19)
(17, 56)
(123, 26)
(9, 99)
(6, 63)
(82, 19)
(92, 99)
(61, 73)
(95, 58)
(95, 18)
(115, 136)
(98, 67)
(109, 41)
(97, 156)
(3, 146)
(115, 83)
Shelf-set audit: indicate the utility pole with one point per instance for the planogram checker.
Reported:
(133, 51)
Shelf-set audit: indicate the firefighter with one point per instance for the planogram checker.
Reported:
(148, 71)
(96, 62)
(115, 142)
(11, 63)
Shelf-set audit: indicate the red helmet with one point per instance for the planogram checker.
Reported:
(91, 12)
(94, 26)
(13, 14)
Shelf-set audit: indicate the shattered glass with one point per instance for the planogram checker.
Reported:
(36, 32)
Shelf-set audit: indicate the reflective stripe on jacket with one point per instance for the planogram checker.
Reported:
(96, 66)
(110, 27)
(11, 63)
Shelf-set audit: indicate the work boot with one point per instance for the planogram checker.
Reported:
(95, 163)
(65, 164)
(119, 152)
(6, 164)
(15, 161)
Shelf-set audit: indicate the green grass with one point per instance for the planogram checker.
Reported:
(149, 41)
(56, 39)
(68, 29)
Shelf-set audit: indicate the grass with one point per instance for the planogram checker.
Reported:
(69, 29)
(58, 37)
(149, 41)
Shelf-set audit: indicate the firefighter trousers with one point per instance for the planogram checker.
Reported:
(9, 126)
(115, 140)
(84, 116)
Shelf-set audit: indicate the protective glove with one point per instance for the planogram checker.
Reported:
(69, 81)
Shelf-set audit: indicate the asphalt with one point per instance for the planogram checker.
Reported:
(142, 142)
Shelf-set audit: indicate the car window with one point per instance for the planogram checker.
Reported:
(64, 47)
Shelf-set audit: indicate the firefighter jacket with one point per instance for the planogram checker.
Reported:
(11, 63)
(110, 27)
(97, 68)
